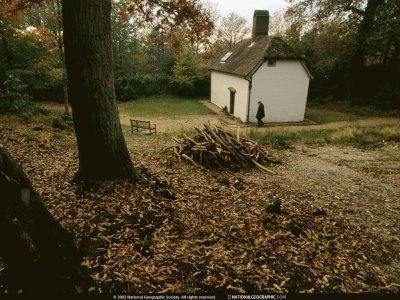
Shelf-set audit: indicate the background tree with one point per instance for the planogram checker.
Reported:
(188, 73)
(29, 51)
(143, 58)
(357, 72)
(88, 50)
(233, 29)
(46, 20)
(278, 24)
(57, 34)
(165, 16)
(126, 52)
(145, 52)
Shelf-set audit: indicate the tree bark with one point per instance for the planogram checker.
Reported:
(38, 253)
(88, 52)
(6, 46)
(56, 6)
(357, 58)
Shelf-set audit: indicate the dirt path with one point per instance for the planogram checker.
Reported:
(181, 123)
(357, 184)
(349, 183)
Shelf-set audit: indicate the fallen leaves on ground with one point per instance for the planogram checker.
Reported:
(220, 231)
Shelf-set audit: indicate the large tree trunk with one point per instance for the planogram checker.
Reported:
(39, 255)
(88, 51)
(357, 58)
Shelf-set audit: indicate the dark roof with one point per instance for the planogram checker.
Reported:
(246, 58)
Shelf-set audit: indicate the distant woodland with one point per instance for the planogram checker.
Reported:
(352, 47)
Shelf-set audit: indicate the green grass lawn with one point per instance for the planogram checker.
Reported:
(323, 116)
(333, 112)
(168, 107)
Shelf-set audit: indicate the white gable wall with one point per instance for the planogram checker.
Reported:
(220, 94)
(282, 89)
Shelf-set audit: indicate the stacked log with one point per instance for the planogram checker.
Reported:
(215, 148)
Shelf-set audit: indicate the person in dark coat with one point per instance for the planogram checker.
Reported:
(260, 113)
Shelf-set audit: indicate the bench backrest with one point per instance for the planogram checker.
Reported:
(140, 124)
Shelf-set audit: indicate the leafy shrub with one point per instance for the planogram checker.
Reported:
(59, 123)
(42, 84)
(67, 118)
(147, 85)
(394, 138)
(322, 100)
(62, 122)
(38, 127)
(364, 138)
(188, 74)
(203, 86)
(282, 142)
(388, 97)
(278, 140)
(14, 100)
(127, 89)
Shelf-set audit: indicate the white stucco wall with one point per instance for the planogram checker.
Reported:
(220, 94)
(283, 90)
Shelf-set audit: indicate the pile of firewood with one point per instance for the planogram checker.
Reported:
(215, 148)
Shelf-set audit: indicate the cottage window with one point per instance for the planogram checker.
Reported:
(226, 56)
(271, 62)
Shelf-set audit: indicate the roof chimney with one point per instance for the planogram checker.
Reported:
(260, 23)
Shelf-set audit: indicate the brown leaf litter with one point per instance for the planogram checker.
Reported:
(187, 229)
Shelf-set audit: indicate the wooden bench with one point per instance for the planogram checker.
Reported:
(137, 124)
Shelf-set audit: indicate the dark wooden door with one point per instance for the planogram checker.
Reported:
(232, 104)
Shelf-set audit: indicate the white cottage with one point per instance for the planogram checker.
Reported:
(261, 68)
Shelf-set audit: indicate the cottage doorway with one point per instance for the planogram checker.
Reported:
(232, 103)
